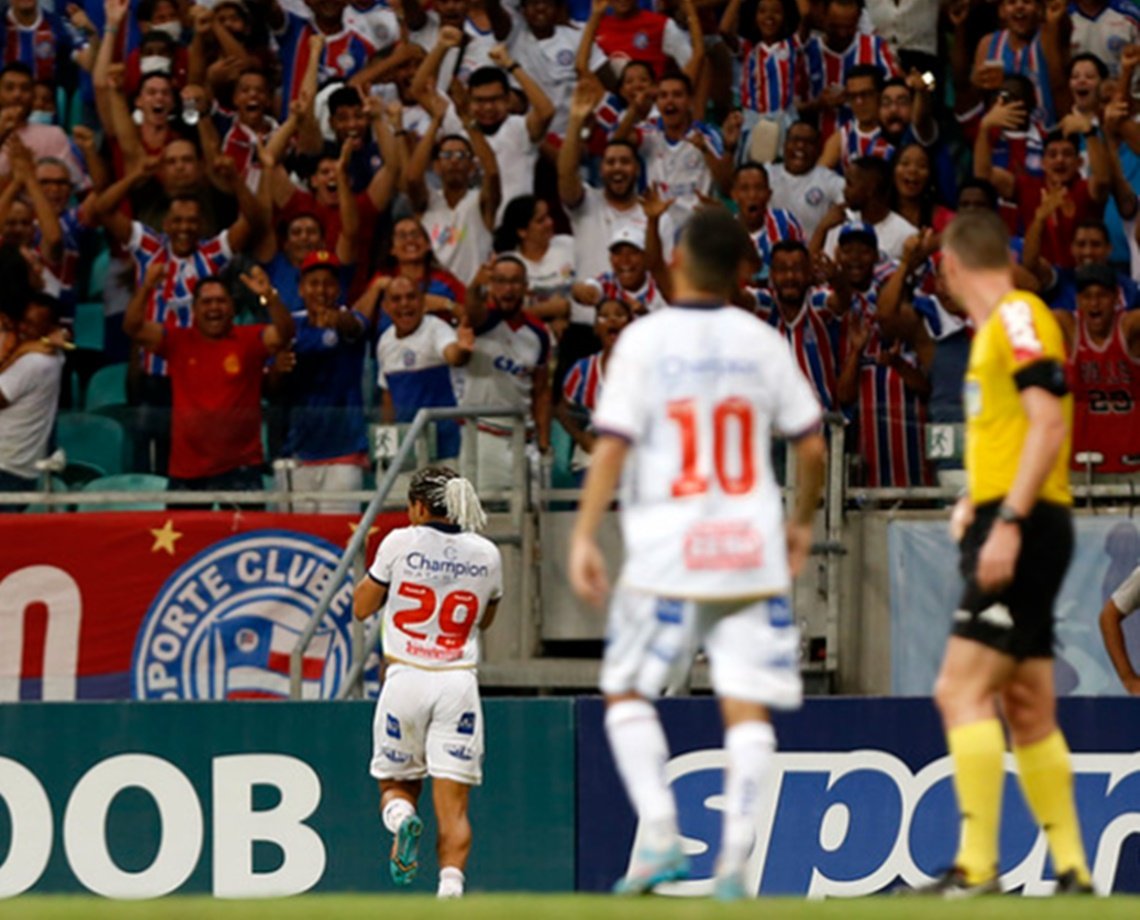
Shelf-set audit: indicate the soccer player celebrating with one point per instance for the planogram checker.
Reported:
(442, 583)
(1016, 537)
(694, 392)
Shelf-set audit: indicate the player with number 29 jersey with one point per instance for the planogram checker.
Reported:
(697, 396)
(440, 583)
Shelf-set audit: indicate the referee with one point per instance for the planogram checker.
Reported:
(1016, 537)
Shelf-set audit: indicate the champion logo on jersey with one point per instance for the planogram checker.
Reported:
(453, 568)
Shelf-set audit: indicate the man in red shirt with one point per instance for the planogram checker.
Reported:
(1060, 167)
(215, 373)
(633, 34)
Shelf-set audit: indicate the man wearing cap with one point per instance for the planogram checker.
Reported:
(508, 367)
(882, 378)
(325, 404)
(216, 370)
(867, 200)
(628, 279)
(1103, 365)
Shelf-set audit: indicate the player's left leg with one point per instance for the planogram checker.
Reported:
(753, 650)
(449, 798)
(398, 800)
(1045, 769)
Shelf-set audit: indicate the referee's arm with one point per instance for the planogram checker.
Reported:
(1045, 437)
(1113, 635)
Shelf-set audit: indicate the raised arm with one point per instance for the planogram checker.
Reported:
(114, 12)
(105, 207)
(428, 73)
(1055, 33)
(1035, 233)
(729, 26)
(655, 206)
(278, 335)
(922, 111)
(1116, 115)
(137, 327)
(696, 37)
(1001, 115)
(541, 108)
(491, 193)
(587, 94)
(24, 171)
(415, 184)
(589, 34)
(897, 317)
(251, 218)
(346, 244)
(385, 121)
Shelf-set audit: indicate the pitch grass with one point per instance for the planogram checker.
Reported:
(560, 907)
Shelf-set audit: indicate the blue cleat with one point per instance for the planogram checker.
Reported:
(652, 868)
(405, 862)
(729, 887)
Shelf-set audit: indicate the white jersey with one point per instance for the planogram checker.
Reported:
(697, 391)
(440, 582)
(459, 237)
(808, 196)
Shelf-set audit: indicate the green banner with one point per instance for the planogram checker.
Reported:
(259, 799)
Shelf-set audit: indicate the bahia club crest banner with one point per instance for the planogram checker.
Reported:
(190, 605)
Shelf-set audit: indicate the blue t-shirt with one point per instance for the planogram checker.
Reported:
(326, 400)
(1063, 294)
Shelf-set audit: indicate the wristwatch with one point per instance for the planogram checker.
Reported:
(1009, 515)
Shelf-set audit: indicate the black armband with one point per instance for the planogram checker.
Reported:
(1048, 374)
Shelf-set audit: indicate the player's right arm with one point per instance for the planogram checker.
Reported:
(1123, 603)
(372, 591)
(587, 566)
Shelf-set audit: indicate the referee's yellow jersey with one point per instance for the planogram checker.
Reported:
(1019, 346)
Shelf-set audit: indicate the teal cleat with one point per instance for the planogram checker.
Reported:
(405, 863)
(729, 887)
(652, 868)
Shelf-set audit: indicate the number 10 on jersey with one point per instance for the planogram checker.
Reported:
(728, 414)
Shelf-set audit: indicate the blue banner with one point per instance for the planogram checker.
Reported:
(860, 799)
(925, 590)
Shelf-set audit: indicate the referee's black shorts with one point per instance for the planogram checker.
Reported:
(1017, 621)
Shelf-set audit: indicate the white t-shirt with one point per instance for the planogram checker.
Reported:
(457, 62)
(379, 24)
(550, 63)
(594, 222)
(514, 151)
(808, 196)
(459, 236)
(678, 168)
(440, 582)
(421, 350)
(1127, 596)
(1114, 28)
(892, 231)
(31, 387)
(553, 274)
(697, 391)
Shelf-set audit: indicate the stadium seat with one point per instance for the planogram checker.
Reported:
(99, 268)
(93, 440)
(107, 387)
(127, 482)
(89, 326)
(561, 449)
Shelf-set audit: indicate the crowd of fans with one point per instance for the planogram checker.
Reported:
(326, 213)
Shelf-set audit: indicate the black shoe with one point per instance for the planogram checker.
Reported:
(952, 886)
(1068, 883)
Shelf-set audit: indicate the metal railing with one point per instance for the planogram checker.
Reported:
(468, 461)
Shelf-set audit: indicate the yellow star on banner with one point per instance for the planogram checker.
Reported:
(165, 537)
(353, 525)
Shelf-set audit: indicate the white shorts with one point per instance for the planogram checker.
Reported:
(753, 647)
(428, 723)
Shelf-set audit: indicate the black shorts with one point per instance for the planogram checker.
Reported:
(1017, 621)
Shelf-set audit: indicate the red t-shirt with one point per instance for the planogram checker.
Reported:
(303, 202)
(216, 386)
(1057, 240)
(641, 37)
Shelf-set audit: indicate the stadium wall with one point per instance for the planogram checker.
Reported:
(253, 799)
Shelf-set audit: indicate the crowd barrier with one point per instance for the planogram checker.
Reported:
(136, 800)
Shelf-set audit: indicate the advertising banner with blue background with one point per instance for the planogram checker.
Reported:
(860, 800)
(925, 591)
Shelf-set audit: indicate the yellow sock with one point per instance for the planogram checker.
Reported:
(977, 750)
(1047, 781)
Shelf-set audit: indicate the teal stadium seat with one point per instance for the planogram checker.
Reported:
(89, 326)
(561, 449)
(127, 482)
(107, 387)
(92, 440)
(99, 268)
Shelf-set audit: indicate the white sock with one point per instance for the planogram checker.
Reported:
(396, 812)
(750, 746)
(640, 751)
(451, 882)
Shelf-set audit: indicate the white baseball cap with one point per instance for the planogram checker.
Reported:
(630, 235)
